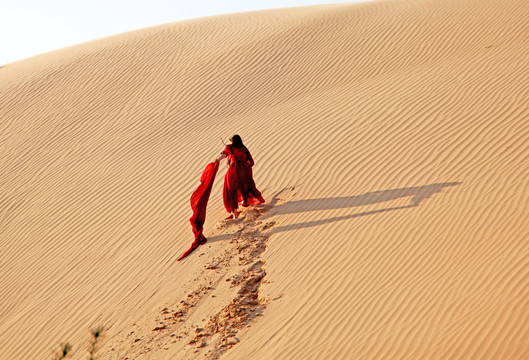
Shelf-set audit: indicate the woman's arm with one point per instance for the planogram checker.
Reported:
(249, 157)
(221, 156)
(224, 154)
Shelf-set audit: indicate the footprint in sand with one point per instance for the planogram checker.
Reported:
(241, 266)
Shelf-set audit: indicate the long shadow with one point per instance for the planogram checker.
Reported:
(416, 193)
(307, 224)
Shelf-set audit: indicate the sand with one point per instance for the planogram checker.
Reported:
(391, 142)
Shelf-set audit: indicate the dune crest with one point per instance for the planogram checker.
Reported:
(391, 144)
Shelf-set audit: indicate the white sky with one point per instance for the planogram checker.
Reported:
(31, 27)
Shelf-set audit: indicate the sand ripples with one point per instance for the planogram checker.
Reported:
(391, 139)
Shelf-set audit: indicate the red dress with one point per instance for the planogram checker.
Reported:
(239, 187)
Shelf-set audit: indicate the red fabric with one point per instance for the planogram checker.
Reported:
(199, 203)
(239, 186)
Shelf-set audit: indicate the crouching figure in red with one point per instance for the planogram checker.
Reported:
(239, 186)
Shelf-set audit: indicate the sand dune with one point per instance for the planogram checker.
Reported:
(391, 142)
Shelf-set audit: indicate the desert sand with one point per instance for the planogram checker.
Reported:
(391, 142)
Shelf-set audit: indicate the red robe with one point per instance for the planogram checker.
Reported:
(239, 186)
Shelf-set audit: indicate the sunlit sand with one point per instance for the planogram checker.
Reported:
(391, 143)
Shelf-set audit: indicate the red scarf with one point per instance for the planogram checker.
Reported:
(199, 203)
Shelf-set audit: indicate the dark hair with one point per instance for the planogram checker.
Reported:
(236, 140)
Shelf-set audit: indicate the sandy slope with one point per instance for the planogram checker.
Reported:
(391, 140)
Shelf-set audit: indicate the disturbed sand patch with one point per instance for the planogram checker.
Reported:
(239, 268)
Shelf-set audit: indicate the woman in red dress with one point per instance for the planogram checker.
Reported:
(239, 187)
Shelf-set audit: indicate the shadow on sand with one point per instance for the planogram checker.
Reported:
(417, 194)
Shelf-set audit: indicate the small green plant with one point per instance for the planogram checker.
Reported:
(96, 334)
(67, 348)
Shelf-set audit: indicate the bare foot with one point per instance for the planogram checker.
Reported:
(233, 215)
